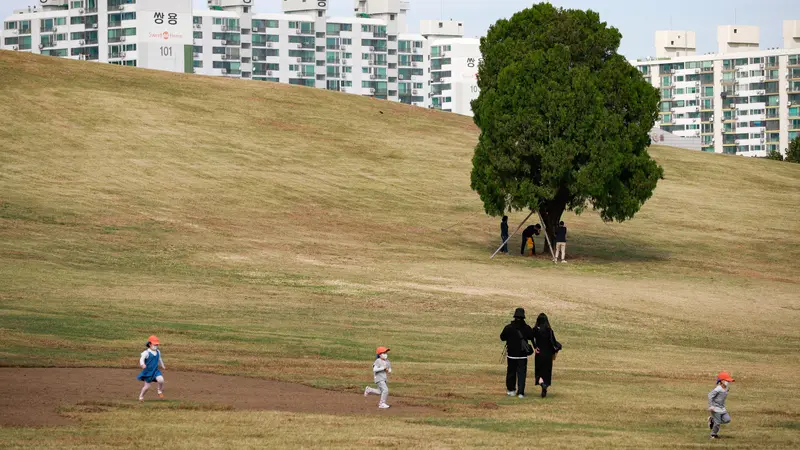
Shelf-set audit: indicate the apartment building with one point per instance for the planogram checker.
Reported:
(370, 53)
(741, 100)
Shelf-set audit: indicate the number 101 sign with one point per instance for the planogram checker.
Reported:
(165, 32)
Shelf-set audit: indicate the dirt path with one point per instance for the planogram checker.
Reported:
(30, 396)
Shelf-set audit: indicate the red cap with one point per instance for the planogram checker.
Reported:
(153, 340)
(380, 350)
(725, 376)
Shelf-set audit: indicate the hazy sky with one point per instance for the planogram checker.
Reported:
(636, 19)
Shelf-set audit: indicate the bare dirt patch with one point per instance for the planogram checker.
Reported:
(32, 396)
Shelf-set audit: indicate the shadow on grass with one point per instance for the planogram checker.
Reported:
(617, 248)
(599, 249)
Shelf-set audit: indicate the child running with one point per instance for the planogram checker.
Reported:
(149, 362)
(716, 404)
(380, 368)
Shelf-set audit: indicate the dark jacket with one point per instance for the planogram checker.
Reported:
(530, 231)
(511, 337)
(504, 228)
(561, 234)
(545, 340)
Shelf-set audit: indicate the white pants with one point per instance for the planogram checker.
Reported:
(383, 391)
(561, 247)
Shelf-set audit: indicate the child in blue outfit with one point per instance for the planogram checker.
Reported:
(149, 362)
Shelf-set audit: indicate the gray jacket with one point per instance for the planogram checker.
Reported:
(380, 368)
(716, 399)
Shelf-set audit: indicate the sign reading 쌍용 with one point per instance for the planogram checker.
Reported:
(164, 29)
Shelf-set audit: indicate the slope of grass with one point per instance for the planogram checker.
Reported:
(282, 232)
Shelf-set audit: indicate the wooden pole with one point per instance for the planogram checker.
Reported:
(546, 236)
(510, 236)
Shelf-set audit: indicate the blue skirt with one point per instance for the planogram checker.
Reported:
(147, 376)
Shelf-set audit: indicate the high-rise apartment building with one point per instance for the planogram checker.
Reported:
(742, 100)
(370, 53)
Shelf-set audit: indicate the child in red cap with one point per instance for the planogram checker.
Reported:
(149, 362)
(716, 404)
(380, 368)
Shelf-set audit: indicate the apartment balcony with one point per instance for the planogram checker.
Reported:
(686, 84)
(233, 29)
(751, 93)
(753, 141)
(686, 97)
(750, 106)
(684, 72)
(687, 133)
(686, 109)
(751, 117)
(749, 67)
(116, 39)
(746, 81)
(687, 121)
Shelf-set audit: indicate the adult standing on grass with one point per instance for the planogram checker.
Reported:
(529, 233)
(504, 234)
(546, 347)
(561, 242)
(516, 336)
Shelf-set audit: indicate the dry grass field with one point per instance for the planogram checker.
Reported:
(270, 231)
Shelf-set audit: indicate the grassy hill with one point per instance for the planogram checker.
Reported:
(281, 232)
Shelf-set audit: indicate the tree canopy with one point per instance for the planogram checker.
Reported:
(564, 118)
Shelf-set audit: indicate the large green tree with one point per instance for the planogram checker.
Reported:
(564, 119)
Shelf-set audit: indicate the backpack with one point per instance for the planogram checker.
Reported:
(526, 348)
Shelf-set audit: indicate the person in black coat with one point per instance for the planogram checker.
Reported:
(529, 232)
(546, 347)
(515, 334)
(504, 234)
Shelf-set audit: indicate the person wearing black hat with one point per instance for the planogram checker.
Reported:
(516, 336)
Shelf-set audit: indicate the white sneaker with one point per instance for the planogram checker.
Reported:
(520, 396)
(366, 391)
(383, 406)
(511, 393)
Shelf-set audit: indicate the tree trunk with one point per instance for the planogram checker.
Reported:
(551, 212)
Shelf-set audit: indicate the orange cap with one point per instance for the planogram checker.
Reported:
(380, 350)
(725, 376)
(153, 340)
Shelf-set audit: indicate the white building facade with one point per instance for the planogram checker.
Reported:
(370, 54)
(739, 101)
